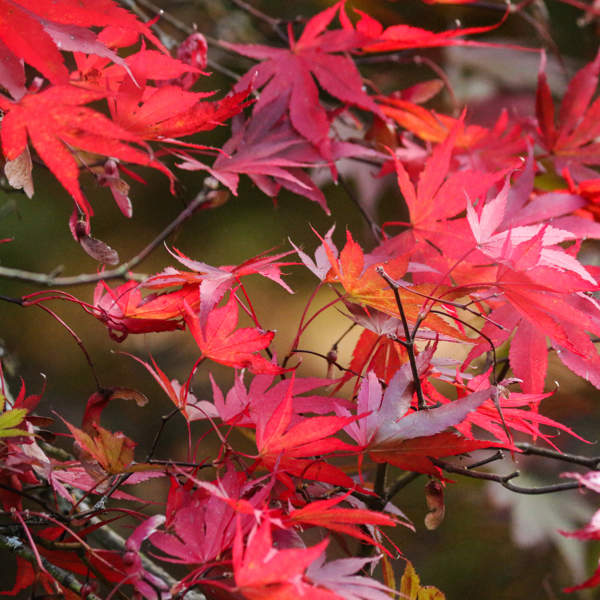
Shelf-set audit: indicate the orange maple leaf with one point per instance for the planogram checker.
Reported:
(366, 286)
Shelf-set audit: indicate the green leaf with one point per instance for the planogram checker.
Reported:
(9, 420)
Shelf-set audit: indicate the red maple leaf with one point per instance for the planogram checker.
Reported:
(416, 454)
(215, 281)
(218, 339)
(201, 525)
(572, 138)
(56, 122)
(285, 449)
(326, 513)
(440, 193)
(288, 73)
(403, 37)
(265, 572)
(123, 309)
(272, 153)
(166, 112)
(34, 30)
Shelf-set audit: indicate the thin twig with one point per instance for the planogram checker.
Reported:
(505, 480)
(375, 229)
(164, 420)
(324, 357)
(400, 484)
(272, 21)
(409, 342)
(593, 462)
(499, 455)
(78, 341)
(120, 272)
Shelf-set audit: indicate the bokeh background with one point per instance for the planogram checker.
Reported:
(492, 544)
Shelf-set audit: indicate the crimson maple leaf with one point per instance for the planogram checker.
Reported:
(218, 339)
(504, 411)
(497, 148)
(545, 293)
(415, 454)
(213, 282)
(285, 448)
(166, 112)
(272, 153)
(403, 37)
(201, 525)
(34, 30)
(572, 139)
(326, 513)
(263, 571)
(254, 406)
(56, 122)
(288, 74)
(123, 309)
(440, 193)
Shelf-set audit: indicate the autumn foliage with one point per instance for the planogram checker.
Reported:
(455, 304)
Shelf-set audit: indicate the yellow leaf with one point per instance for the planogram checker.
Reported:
(388, 574)
(410, 583)
(411, 589)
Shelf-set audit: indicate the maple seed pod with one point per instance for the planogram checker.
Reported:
(434, 497)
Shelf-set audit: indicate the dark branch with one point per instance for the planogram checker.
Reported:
(121, 272)
(505, 480)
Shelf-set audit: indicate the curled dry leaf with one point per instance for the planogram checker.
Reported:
(18, 172)
(99, 250)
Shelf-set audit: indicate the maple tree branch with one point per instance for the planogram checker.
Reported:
(121, 272)
(105, 535)
(593, 462)
(273, 22)
(32, 498)
(498, 455)
(380, 475)
(505, 480)
(400, 484)
(409, 344)
(161, 12)
(66, 578)
(18, 301)
(111, 540)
